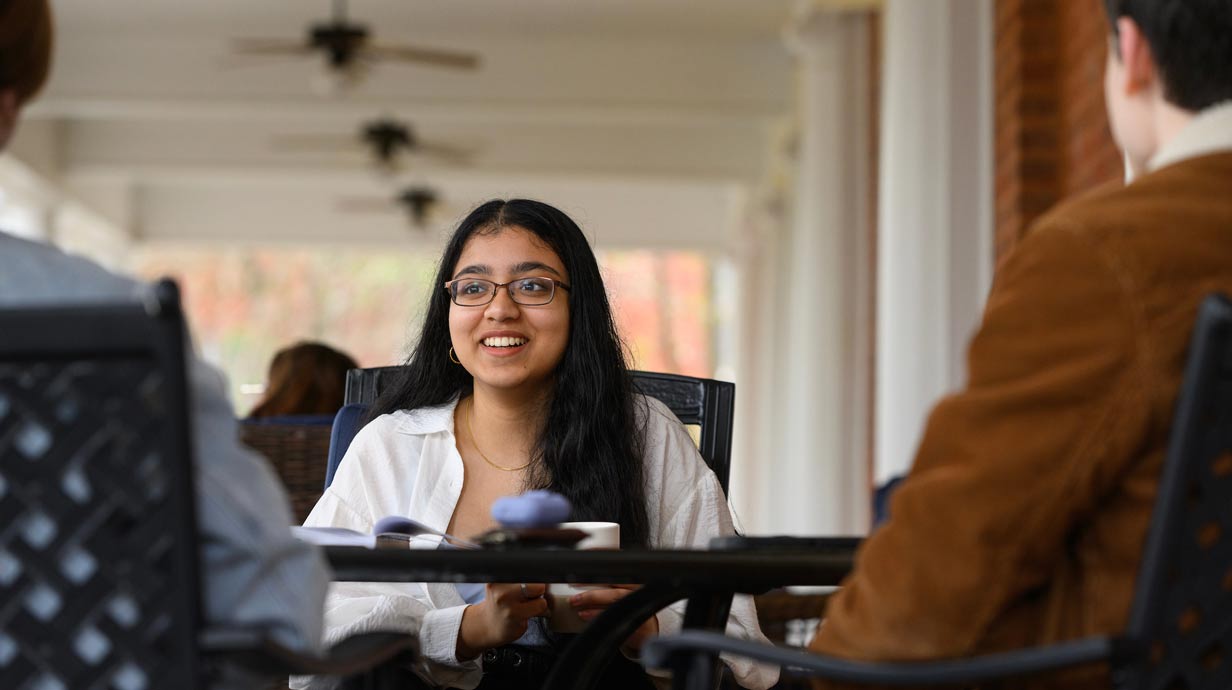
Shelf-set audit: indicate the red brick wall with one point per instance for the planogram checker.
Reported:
(1052, 136)
(1090, 156)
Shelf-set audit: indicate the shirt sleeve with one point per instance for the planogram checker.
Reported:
(256, 573)
(1053, 410)
(693, 510)
(359, 607)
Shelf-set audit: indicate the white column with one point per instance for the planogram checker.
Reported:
(935, 233)
(757, 252)
(809, 382)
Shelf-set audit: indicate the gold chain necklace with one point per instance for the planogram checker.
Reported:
(471, 430)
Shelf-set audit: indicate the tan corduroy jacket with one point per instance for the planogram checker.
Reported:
(1023, 518)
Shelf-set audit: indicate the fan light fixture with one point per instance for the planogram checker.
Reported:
(348, 50)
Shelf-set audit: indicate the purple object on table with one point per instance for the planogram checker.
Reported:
(538, 508)
(397, 524)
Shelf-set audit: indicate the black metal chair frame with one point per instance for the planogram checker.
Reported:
(707, 403)
(96, 481)
(1180, 628)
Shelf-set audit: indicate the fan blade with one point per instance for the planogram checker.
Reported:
(324, 143)
(431, 56)
(237, 61)
(271, 46)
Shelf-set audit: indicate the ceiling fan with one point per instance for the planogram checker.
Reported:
(347, 48)
(421, 204)
(389, 142)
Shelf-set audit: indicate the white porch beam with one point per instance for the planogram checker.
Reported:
(345, 114)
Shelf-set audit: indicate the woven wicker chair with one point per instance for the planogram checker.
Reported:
(299, 453)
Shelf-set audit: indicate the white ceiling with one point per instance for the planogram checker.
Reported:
(424, 18)
(649, 119)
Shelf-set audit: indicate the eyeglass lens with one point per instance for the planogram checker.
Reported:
(470, 292)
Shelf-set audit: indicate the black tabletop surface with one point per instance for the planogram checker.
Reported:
(741, 571)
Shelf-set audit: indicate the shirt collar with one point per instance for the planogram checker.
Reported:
(427, 420)
(1209, 131)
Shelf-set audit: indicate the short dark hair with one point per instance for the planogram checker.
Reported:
(1192, 44)
(25, 46)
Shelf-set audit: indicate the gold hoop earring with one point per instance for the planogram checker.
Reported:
(452, 357)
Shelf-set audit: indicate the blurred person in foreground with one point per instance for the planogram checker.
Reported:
(254, 573)
(1023, 519)
(306, 378)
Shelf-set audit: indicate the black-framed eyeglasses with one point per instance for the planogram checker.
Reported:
(530, 292)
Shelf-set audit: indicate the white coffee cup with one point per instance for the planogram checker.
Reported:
(599, 535)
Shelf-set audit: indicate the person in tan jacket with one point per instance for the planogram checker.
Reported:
(1023, 518)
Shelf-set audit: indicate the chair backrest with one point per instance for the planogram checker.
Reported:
(290, 420)
(299, 453)
(346, 424)
(706, 403)
(1182, 613)
(98, 547)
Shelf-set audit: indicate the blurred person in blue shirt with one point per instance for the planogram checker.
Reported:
(254, 572)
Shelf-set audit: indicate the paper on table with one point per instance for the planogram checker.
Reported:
(341, 536)
(333, 536)
(394, 531)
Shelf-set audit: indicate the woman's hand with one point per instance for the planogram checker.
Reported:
(592, 602)
(500, 618)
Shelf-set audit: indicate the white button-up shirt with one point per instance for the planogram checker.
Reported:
(407, 463)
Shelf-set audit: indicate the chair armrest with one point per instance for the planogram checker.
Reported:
(252, 650)
(672, 651)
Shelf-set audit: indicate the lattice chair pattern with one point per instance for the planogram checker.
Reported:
(93, 581)
(98, 547)
(1183, 604)
(1179, 635)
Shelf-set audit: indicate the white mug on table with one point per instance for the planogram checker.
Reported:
(600, 535)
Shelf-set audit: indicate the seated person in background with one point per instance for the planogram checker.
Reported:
(254, 573)
(1023, 518)
(518, 381)
(304, 379)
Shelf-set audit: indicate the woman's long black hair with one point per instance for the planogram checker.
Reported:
(590, 447)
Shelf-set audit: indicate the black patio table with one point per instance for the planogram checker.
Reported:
(706, 578)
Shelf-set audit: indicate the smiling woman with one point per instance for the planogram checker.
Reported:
(510, 340)
(519, 381)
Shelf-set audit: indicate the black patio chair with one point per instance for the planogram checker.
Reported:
(98, 541)
(1179, 634)
(705, 403)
